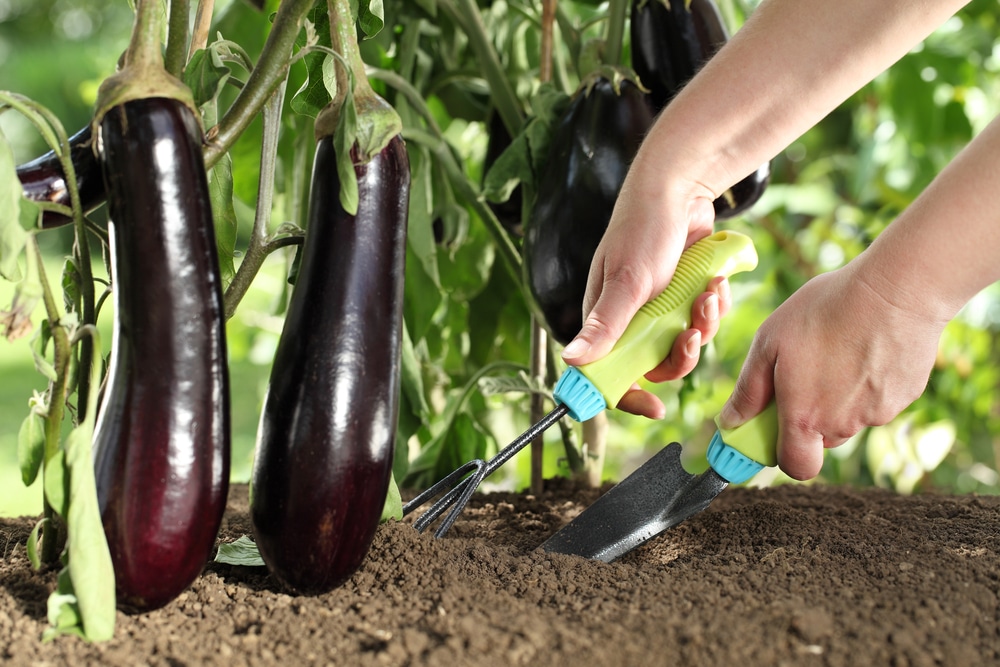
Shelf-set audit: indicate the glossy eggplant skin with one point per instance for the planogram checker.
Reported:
(671, 40)
(43, 179)
(327, 430)
(162, 441)
(590, 151)
(744, 194)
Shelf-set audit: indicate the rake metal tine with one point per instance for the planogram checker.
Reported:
(461, 493)
(440, 485)
(468, 487)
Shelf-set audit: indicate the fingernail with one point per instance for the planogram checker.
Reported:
(725, 290)
(729, 417)
(576, 348)
(710, 308)
(694, 342)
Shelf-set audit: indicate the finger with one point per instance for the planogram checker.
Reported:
(800, 451)
(640, 402)
(621, 297)
(683, 358)
(705, 315)
(720, 285)
(754, 387)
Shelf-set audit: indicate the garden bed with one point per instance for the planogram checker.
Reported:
(804, 575)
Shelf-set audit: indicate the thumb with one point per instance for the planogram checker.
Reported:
(753, 391)
(618, 302)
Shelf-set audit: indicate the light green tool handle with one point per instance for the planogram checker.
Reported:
(651, 333)
(739, 453)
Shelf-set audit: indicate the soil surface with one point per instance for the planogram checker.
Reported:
(795, 575)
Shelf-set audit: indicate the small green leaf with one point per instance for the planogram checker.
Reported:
(90, 566)
(343, 141)
(12, 235)
(32, 546)
(55, 483)
(393, 508)
(206, 74)
(31, 447)
(39, 343)
(63, 611)
(371, 17)
(242, 552)
(220, 188)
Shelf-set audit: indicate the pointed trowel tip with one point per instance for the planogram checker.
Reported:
(658, 495)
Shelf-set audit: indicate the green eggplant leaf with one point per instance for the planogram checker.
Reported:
(90, 568)
(16, 321)
(242, 552)
(56, 484)
(343, 141)
(371, 17)
(220, 188)
(206, 74)
(13, 237)
(63, 611)
(393, 508)
(31, 446)
(39, 345)
(32, 546)
(314, 94)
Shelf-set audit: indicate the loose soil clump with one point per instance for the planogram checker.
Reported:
(794, 575)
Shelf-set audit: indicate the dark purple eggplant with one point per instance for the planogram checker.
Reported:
(744, 194)
(327, 430)
(592, 146)
(671, 41)
(162, 437)
(43, 179)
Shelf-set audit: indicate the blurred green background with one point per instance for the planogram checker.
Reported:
(832, 191)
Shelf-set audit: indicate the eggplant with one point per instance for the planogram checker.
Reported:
(43, 179)
(671, 41)
(744, 194)
(591, 148)
(162, 440)
(326, 436)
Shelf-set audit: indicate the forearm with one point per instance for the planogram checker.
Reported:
(945, 247)
(791, 64)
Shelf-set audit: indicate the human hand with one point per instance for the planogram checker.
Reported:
(838, 356)
(634, 263)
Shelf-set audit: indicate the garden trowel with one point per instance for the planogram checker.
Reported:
(585, 391)
(661, 494)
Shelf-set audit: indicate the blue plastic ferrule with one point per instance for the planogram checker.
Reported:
(578, 393)
(732, 465)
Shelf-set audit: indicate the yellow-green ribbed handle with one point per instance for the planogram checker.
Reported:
(651, 333)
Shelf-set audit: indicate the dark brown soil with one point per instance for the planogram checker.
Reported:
(794, 575)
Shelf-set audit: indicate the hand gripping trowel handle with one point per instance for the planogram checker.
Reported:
(587, 390)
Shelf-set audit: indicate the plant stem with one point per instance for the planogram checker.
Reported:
(177, 36)
(147, 33)
(466, 14)
(615, 29)
(270, 71)
(257, 247)
(52, 537)
(202, 25)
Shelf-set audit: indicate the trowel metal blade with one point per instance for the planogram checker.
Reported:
(658, 495)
